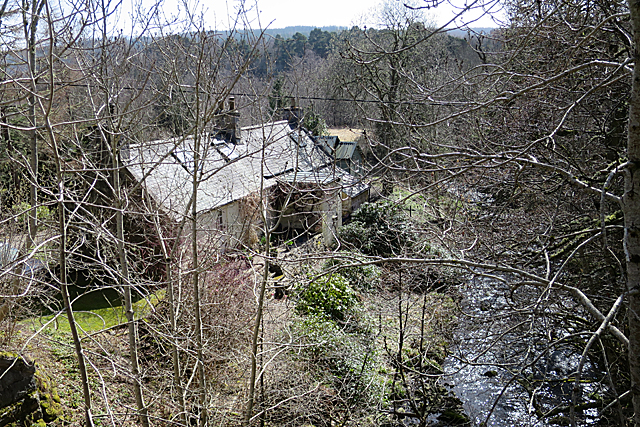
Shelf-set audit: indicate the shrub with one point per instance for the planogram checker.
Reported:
(314, 123)
(329, 296)
(21, 212)
(345, 360)
(226, 308)
(362, 277)
(330, 374)
(378, 229)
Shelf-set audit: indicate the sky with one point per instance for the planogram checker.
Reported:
(347, 13)
(342, 13)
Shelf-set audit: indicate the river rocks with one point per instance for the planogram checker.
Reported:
(27, 396)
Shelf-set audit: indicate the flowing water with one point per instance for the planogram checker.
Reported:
(508, 360)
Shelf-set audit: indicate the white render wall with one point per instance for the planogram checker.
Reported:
(227, 227)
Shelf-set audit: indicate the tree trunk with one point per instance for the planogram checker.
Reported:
(175, 352)
(256, 333)
(126, 283)
(203, 416)
(631, 210)
(62, 250)
(268, 229)
(30, 18)
(64, 290)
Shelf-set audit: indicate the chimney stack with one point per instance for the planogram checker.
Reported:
(227, 123)
(292, 114)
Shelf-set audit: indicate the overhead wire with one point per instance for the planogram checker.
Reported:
(301, 97)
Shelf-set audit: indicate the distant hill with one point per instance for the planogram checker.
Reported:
(463, 33)
(288, 32)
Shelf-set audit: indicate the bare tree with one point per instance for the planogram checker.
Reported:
(30, 17)
(517, 159)
(530, 150)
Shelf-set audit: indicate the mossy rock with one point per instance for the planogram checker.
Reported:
(17, 378)
(452, 417)
(34, 400)
(50, 406)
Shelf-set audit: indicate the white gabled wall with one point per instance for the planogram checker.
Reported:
(331, 212)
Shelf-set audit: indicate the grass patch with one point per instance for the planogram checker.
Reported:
(99, 319)
(410, 199)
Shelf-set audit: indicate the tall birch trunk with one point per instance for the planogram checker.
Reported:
(268, 228)
(172, 278)
(256, 333)
(175, 352)
(196, 283)
(30, 18)
(64, 290)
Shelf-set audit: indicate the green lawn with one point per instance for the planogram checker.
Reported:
(96, 320)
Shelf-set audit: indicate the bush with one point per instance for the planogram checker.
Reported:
(329, 375)
(227, 311)
(347, 361)
(378, 229)
(21, 213)
(329, 296)
(361, 277)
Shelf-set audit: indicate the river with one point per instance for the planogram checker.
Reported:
(513, 357)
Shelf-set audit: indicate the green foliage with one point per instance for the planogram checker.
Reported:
(277, 96)
(341, 356)
(314, 123)
(347, 361)
(329, 296)
(21, 210)
(362, 277)
(379, 229)
(320, 42)
(297, 44)
(288, 49)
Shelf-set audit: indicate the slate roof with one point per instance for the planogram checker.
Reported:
(229, 172)
(321, 177)
(352, 186)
